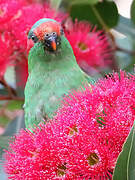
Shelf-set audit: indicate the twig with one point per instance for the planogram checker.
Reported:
(12, 95)
(11, 98)
(2, 98)
(117, 48)
(10, 90)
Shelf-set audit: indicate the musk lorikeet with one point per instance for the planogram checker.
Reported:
(53, 71)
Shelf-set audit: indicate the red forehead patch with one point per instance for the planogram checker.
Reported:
(47, 27)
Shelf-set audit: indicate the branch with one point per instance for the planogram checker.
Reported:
(117, 48)
(2, 98)
(11, 91)
(12, 95)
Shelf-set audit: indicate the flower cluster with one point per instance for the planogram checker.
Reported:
(16, 19)
(83, 140)
(91, 47)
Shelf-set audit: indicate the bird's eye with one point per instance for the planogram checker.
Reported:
(46, 35)
(34, 38)
(54, 33)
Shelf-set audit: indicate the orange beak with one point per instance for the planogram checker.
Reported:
(53, 44)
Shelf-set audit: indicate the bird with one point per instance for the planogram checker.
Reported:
(53, 71)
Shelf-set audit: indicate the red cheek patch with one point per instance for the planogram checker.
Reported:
(30, 44)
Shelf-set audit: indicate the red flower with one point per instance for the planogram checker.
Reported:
(110, 104)
(21, 25)
(89, 158)
(99, 121)
(40, 155)
(91, 47)
(16, 19)
(9, 9)
(84, 139)
(5, 54)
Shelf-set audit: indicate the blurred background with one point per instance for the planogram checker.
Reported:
(101, 33)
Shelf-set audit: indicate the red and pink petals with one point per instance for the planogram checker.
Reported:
(91, 47)
(85, 137)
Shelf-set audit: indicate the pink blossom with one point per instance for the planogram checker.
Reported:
(16, 19)
(109, 107)
(85, 137)
(21, 26)
(5, 54)
(91, 47)
(8, 11)
(40, 155)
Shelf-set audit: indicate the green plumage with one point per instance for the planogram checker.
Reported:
(51, 75)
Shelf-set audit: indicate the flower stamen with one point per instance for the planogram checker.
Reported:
(82, 46)
(93, 159)
(61, 170)
(73, 130)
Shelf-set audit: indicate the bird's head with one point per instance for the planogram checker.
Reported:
(48, 32)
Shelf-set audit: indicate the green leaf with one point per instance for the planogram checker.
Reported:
(125, 167)
(103, 14)
(124, 60)
(131, 160)
(132, 12)
(84, 1)
(130, 66)
(13, 105)
(55, 4)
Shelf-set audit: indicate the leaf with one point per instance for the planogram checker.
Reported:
(125, 167)
(9, 111)
(126, 27)
(84, 1)
(131, 160)
(12, 105)
(124, 60)
(132, 11)
(55, 4)
(130, 67)
(103, 14)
